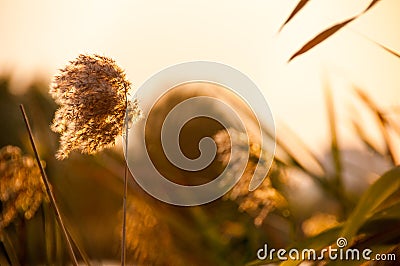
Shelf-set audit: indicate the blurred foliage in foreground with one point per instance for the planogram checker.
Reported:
(320, 200)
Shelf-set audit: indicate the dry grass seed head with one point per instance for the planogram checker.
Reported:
(21, 187)
(92, 92)
(260, 202)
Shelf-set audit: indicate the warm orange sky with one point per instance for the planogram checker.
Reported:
(147, 36)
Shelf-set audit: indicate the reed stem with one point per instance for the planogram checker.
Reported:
(49, 189)
(123, 239)
(123, 244)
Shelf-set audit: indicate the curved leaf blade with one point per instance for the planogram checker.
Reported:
(393, 52)
(296, 10)
(384, 187)
(321, 37)
(329, 32)
(373, 2)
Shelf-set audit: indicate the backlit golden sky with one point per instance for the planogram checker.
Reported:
(38, 37)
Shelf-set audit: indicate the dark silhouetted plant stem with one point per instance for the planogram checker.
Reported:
(123, 244)
(336, 154)
(49, 190)
(123, 239)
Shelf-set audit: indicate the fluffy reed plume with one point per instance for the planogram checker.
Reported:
(21, 188)
(260, 202)
(92, 93)
(149, 241)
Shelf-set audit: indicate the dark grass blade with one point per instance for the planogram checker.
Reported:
(335, 151)
(375, 195)
(80, 249)
(321, 37)
(373, 2)
(296, 10)
(384, 47)
(367, 100)
(329, 32)
(393, 124)
(294, 153)
(385, 128)
(393, 52)
(365, 140)
(384, 125)
(339, 188)
(391, 212)
(298, 152)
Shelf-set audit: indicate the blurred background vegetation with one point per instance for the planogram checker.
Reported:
(89, 190)
(319, 195)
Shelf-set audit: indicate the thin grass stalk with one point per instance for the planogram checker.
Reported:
(123, 241)
(386, 136)
(334, 140)
(296, 10)
(384, 47)
(49, 189)
(81, 251)
(336, 155)
(384, 124)
(124, 201)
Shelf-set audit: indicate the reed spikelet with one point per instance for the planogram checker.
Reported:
(92, 92)
(21, 187)
(260, 202)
